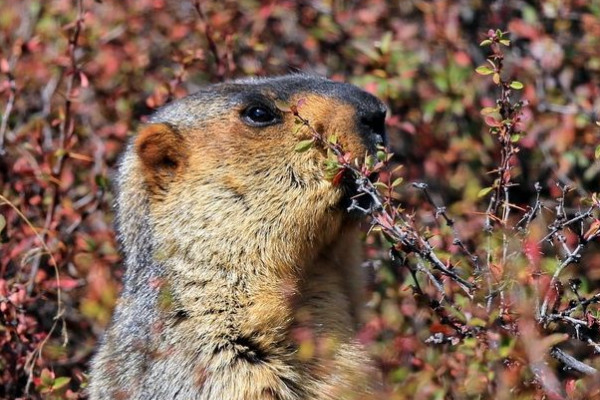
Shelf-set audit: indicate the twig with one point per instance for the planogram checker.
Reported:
(66, 130)
(441, 211)
(572, 257)
(212, 45)
(574, 321)
(30, 362)
(582, 303)
(555, 228)
(462, 329)
(405, 235)
(7, 110)
(24, 32)
(572, 362)
(532, 212)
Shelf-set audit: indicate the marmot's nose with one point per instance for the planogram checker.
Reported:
(370, 117)
(369, 114)
(372, 122)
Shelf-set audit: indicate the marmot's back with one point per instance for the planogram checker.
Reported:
(243, 266)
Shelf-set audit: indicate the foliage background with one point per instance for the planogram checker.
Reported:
(77, 78)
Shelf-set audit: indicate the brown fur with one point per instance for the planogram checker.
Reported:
(243, 266)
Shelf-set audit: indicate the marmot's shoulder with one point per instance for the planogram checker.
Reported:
(234, 242)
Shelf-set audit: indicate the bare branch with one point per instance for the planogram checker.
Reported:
(571, 362)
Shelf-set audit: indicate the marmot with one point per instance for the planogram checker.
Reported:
(243, 275)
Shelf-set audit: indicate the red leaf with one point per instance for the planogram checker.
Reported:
(337, 179)
(84, 80)
(570, 387)
(491, 121)
(532, 251)
(4, 67)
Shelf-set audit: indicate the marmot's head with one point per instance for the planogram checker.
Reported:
(221, 163)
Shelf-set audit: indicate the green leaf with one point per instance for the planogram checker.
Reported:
(3, 220)
(61, 382)
(484, 70)
(60, 153)
(488, 110)
(397, 182)
(381, 156)
(46, 377)
(516, 85)
(505, 42)
(332, 167)
(283, 106)
(386, 41)
(484, 191)
(596, 153)
(486, 42)
(381, 186)
(496, 78)
(477, 322)
(304, 145)
(101, 181)
(515, 138)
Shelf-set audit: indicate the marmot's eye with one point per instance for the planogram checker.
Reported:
(259, 116)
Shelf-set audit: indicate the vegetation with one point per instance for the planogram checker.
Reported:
(483, 248)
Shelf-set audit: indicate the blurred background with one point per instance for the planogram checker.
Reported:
(78, 77)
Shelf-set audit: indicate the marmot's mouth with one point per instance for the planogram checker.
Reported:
(353, 200)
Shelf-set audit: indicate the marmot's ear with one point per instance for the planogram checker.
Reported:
(161, 149)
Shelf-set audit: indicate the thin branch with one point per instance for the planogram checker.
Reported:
(555, 228)
(66, 130)
(532, 212)
(7, 110)
(405, 235)
(572, 257)
(571, 362)
(441, 211)
(30, 361)
(212, 45)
